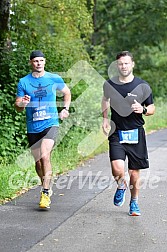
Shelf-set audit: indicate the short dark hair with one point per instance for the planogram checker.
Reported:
(123, 54)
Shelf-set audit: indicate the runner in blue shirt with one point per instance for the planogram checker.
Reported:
(36, 92)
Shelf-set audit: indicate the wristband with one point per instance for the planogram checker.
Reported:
(144, 111)
(65, 108)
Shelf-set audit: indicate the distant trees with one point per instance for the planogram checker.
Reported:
(69, 31)
(139, 26)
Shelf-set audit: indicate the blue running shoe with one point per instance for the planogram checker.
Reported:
(134, 209)
(119, 197)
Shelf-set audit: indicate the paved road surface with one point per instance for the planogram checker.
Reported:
(83, 218)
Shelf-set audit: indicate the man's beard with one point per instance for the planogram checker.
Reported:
(125, 74)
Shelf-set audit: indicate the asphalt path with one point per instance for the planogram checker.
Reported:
(82, 217)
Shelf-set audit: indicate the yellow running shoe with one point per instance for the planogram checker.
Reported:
(44, 201)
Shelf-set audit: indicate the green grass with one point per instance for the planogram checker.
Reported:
(15, 178)
(159, 119)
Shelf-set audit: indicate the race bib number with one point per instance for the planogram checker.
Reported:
(128, 136)
(40, 114)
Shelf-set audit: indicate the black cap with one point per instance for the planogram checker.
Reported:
(36, 53)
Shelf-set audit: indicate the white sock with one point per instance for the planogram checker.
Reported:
(122, 184)
(134, 199)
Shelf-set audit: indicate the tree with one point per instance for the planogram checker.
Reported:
(61, 29)
(129, 24)
(137, 26)
(4, 39)
(4, 23)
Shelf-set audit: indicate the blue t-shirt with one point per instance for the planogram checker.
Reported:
(41, 112)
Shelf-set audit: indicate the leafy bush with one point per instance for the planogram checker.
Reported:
(63, 29)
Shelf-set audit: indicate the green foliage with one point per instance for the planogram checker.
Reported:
(135, 26)
(152, 67)
(71, 31)
(12, 138)
(60, 29)
(121, 25)
(158, 120)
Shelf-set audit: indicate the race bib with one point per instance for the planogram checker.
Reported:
(128, 136)
(40, 113)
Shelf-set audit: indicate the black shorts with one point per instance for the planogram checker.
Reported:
(136, 153)
(49, 133)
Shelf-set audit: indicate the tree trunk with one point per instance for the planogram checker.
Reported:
(4, 23)
(5, 44)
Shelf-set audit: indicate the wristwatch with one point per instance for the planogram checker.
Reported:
(66, 108)
(144, 110)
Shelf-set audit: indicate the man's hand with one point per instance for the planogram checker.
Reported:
(22, 102)
(106, 126)
(64, 114)
(137, 107)
(25, 101)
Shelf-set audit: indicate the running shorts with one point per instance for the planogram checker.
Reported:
(136, 153)
(49, 133)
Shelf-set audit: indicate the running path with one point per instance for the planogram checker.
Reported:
(83, 218)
